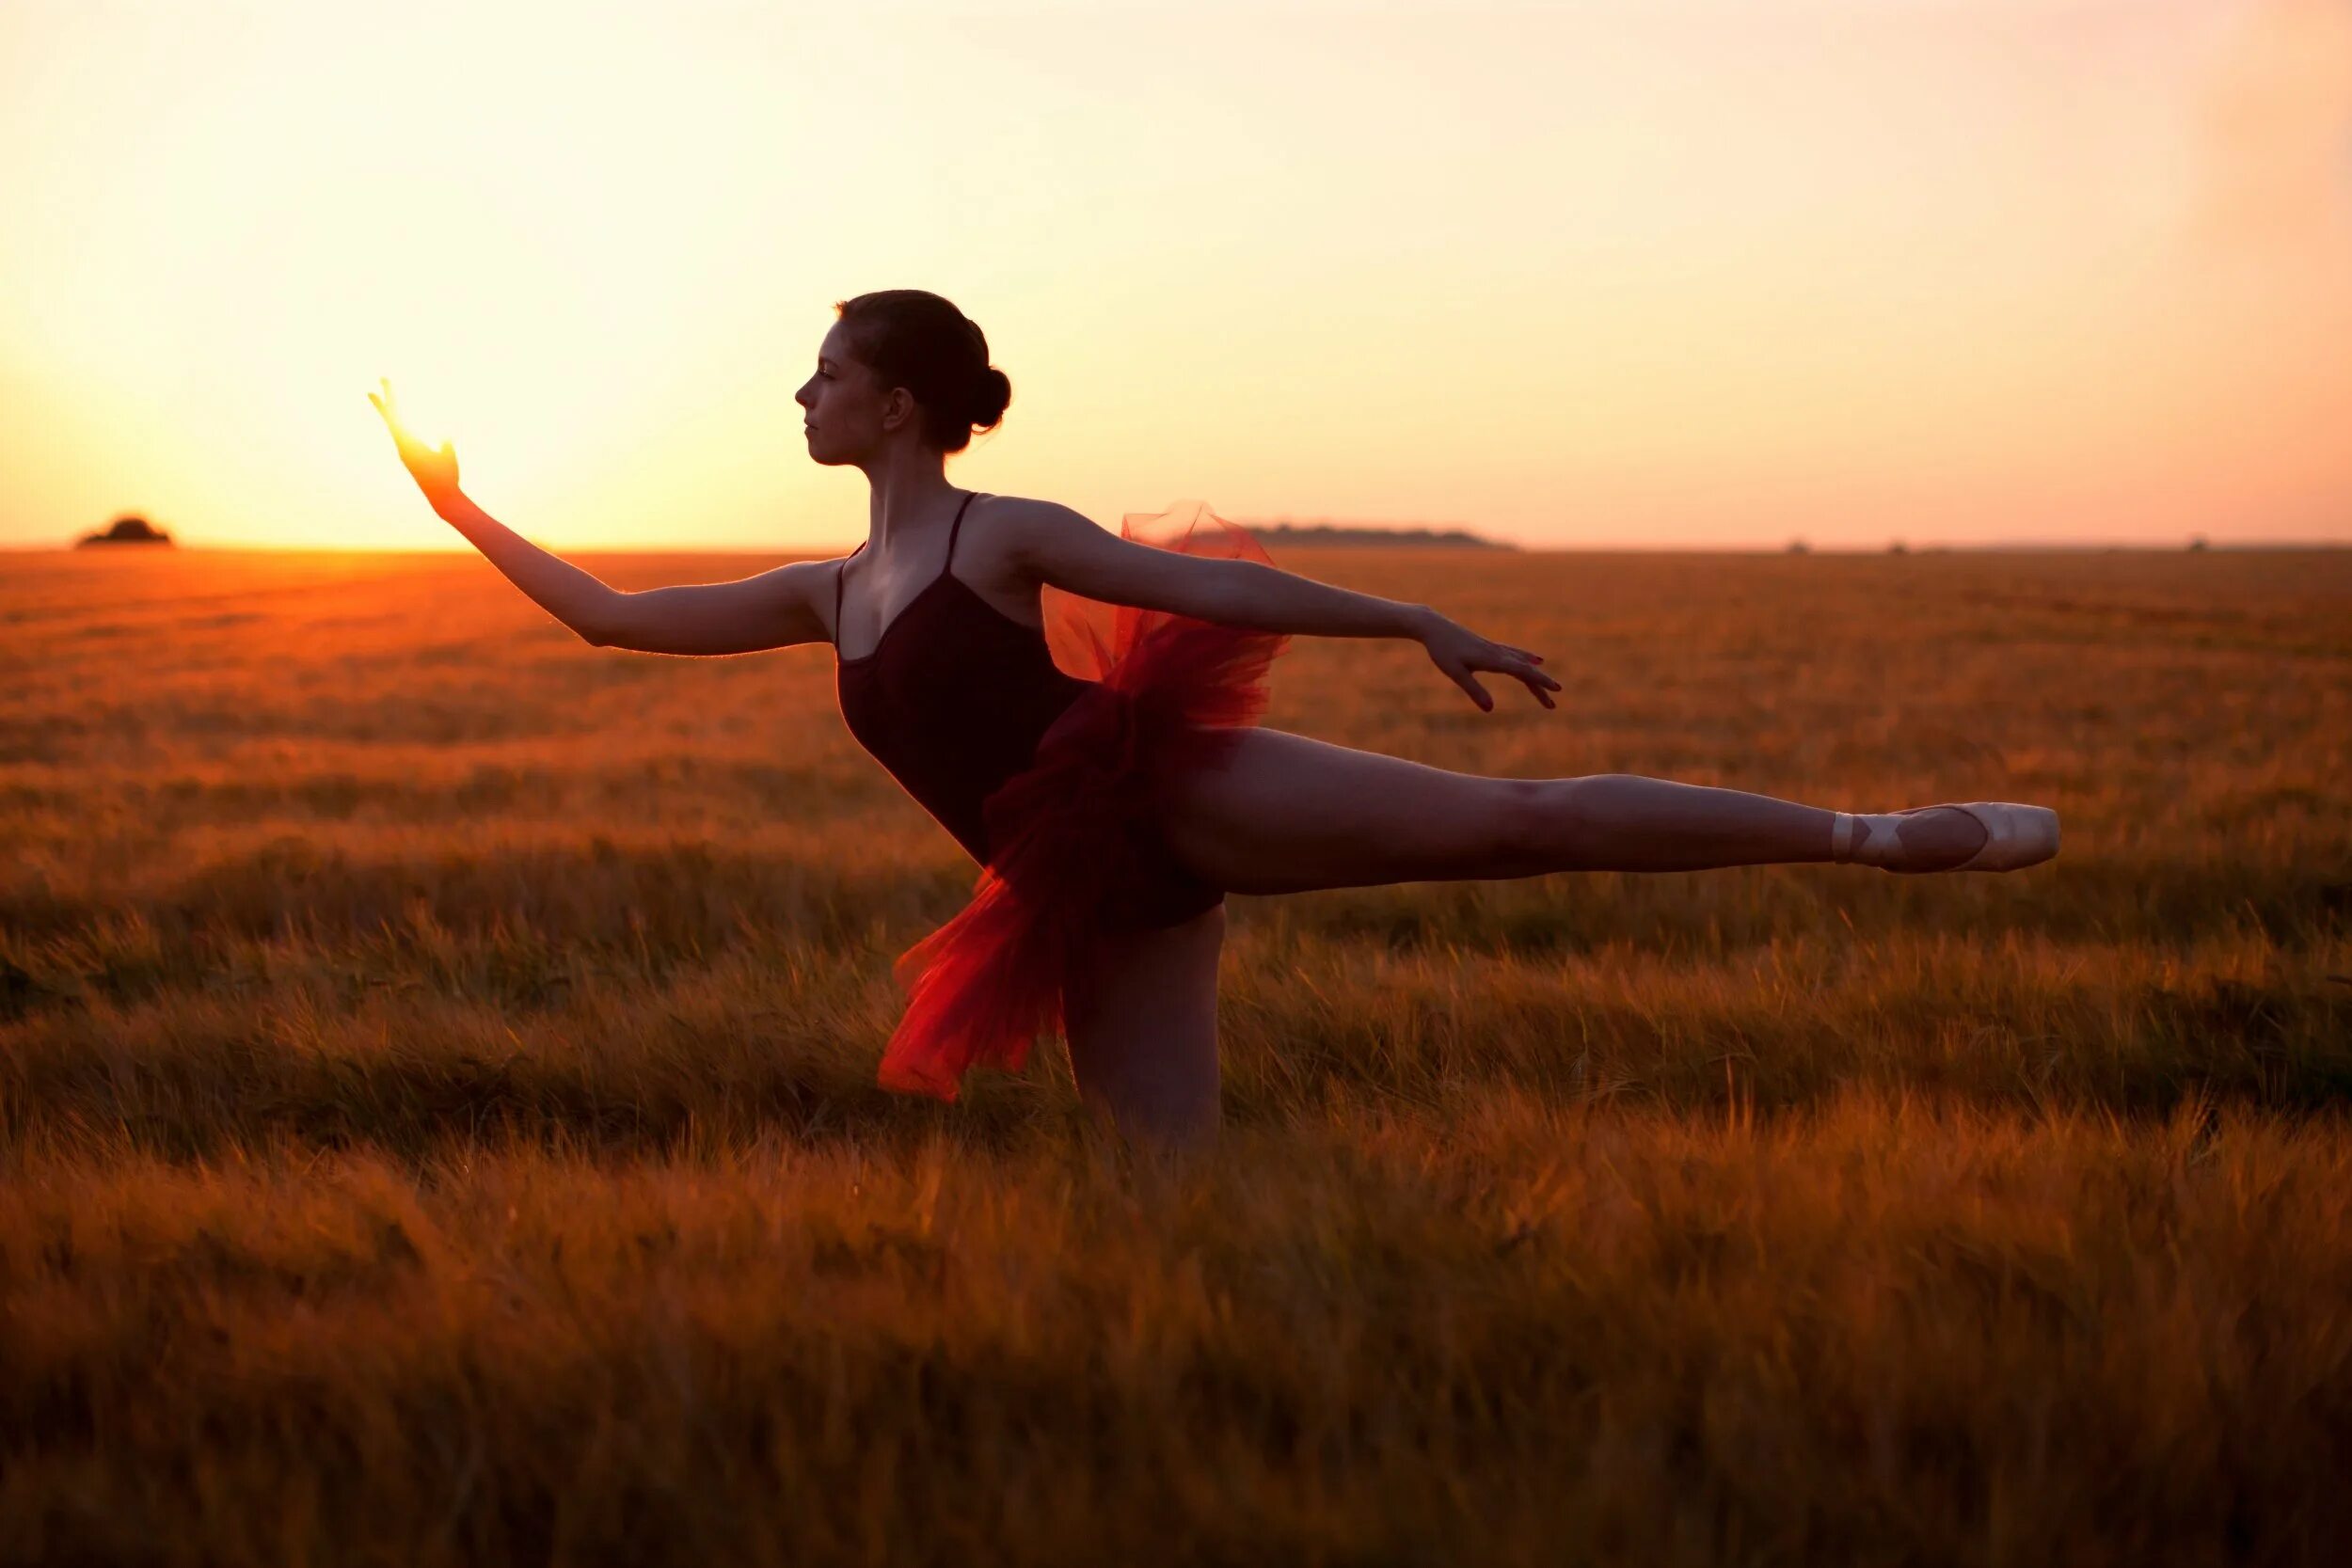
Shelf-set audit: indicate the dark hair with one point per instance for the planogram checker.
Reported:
(914, 339)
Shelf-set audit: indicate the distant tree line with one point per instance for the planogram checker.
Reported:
(1328, 533)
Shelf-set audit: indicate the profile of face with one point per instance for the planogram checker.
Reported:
(851, 417)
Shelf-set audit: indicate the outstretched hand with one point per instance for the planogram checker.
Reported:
(1457, 650)
(436, 472)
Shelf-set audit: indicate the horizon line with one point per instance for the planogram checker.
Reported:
(2189, 546)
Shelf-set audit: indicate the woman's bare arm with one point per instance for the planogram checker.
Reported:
(776, 609)
(579, 599)
(1055, 545)
(1066, 548)
(773, 609)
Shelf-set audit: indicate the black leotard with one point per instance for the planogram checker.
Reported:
(952, 700)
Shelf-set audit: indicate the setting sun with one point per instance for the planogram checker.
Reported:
(1708, 274)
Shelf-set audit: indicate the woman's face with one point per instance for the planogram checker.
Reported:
(848, 415)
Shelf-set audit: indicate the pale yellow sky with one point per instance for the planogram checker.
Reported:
(1573, 273)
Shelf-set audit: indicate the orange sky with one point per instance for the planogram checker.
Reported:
(1574, 273)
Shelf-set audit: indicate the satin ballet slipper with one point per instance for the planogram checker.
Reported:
(2014, 836)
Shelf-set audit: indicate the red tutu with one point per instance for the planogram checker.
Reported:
(1074, 833)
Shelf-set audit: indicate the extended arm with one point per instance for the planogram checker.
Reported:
(774, 610)
(1061, 547)
(579, 599)
(1066, 548)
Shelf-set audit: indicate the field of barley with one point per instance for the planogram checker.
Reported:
(438, 1119)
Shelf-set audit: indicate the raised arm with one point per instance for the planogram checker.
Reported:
(579, 599)
(1055, 545)
(776, 609)
(773, 609)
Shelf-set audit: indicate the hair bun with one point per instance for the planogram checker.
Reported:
(989, 397)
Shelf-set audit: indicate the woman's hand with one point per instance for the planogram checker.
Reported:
(436, 472)
(1457, 651)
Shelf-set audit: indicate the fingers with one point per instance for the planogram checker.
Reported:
(1536, 677)
(1520, 668)
(1477, 692)
(1518, 663)
(1539, 685)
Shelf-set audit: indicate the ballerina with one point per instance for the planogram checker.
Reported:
(1111, 810)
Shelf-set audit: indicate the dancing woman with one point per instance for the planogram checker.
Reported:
(1111, 810)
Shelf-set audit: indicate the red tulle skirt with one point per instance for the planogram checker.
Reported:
(1073, 840)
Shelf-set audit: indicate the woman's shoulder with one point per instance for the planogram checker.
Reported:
(1011, 534)
(1018, 511)
(1022, 524)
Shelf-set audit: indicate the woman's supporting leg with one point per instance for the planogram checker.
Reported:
(1288, 814)
(1140, 1016)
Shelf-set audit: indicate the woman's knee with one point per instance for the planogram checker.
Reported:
(1531, 822)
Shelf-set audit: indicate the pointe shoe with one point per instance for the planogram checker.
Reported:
(2014, 836)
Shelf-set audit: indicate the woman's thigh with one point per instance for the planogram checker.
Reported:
(1140, 1012)
(1288, 814)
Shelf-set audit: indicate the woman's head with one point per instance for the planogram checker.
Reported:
(900, 360)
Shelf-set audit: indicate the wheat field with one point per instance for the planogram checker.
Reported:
(438, 1119)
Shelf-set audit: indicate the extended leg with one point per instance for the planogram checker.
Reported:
(1289, 814)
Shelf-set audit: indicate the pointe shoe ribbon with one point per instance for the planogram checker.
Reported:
(2014, 836)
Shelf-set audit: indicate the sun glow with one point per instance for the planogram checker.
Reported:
(1714, 274)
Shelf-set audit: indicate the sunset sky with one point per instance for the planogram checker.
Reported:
(1596, 273)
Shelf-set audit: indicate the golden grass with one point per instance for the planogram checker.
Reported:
(438, 1118)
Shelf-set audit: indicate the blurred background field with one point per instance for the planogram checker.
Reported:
(438, 1118)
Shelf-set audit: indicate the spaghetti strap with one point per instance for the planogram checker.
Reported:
(841, 571)
(953, 529)
(838, 573)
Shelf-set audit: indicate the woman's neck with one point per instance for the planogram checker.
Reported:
(910, 496)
